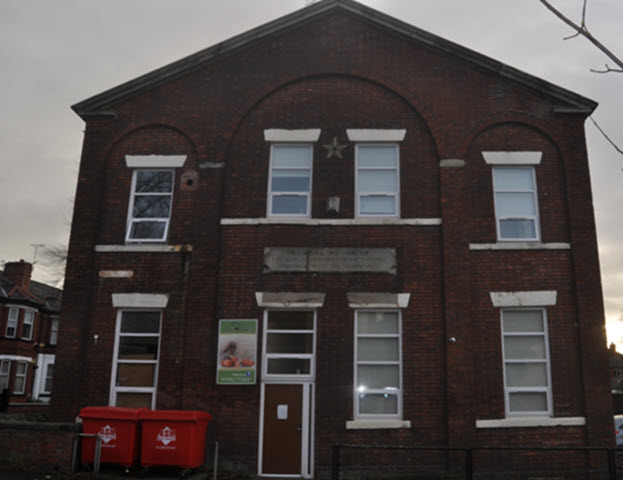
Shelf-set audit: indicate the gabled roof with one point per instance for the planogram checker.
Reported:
(104, 102)
(38, 295)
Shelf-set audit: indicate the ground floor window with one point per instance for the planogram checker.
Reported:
(42, 385)
(525, 349)
(136, 354)
(289, 344)
(378, 364)
(21, 372)
(5, 368)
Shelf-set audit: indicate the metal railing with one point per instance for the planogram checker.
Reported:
(469, 454)
(97, 454)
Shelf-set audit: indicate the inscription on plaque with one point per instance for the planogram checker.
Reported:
(339, 260)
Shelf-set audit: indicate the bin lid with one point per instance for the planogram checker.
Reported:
(110, 413)
(175, 415)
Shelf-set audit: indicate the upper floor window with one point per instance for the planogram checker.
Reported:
(54, 331)
(27, 326)
(378, 364)
(516, 208)
(377, 182)
(527, 381)
(11, 324)
(289, 192)
(150, 205)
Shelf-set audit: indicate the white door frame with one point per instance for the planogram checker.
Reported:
(307, 430)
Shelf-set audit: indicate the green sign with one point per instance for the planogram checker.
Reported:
(237, 352)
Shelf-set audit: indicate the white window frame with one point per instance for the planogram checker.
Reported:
(23, 376)
(29, 321)
(11, 323)
(54, 324)
(5, 373)
(363, 416)
(307, 377)
(395, 195)
(547, 361)
(114, 388)
(271, 195)
(39, 392)
(133, 194)
(499, 218)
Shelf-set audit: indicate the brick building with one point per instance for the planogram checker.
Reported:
(337, 227)
(29, 321)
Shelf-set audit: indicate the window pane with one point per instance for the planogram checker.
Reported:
(26, 331)
(151, 206)
(135, 375)
(289, 343)
(517, 229)
(4, 367)
(378, 181)
(290, 320)
(290, 181)
(48, 379)
(377, 205)
(377, 349)
(147, 230)
(528, 402)
(138, 348)
(288, 366)
(526, 375)
(529, 347)
(149, 181)
(513, 179)
(515, 205)
(377, 322)
(133, 400)
(378, 376)
(378, 403)
(290, 205)
(20, 368)
(522, 321)
(298, 156)
(377, 156)
(140, 322)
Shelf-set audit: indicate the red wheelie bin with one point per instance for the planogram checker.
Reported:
(173, 438)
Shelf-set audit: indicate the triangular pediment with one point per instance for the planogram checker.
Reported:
(565, 100)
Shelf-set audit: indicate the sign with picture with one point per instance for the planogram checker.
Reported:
(237, 352)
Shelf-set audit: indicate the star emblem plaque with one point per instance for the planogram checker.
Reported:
(334, 149)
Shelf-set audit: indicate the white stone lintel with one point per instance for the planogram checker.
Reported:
(512, 158)
(282, 135)
(537, 298)
(376, 134)
(140, 300)
(289, 299)
(378, 300)
(522, 422)
(155, 161)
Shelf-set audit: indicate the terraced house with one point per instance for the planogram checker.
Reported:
(338, 228)
(29, 321)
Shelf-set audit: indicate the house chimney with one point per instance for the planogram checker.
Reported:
(18, 273)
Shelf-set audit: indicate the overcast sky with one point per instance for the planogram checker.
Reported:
(56, 53)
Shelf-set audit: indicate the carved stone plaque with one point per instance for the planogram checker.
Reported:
(339, 260)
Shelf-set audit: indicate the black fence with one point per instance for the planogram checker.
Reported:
(593, 465)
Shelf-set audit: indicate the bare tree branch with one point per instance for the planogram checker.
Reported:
(614, 145)
(583, 30)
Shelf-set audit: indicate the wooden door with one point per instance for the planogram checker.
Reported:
(283, 425)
